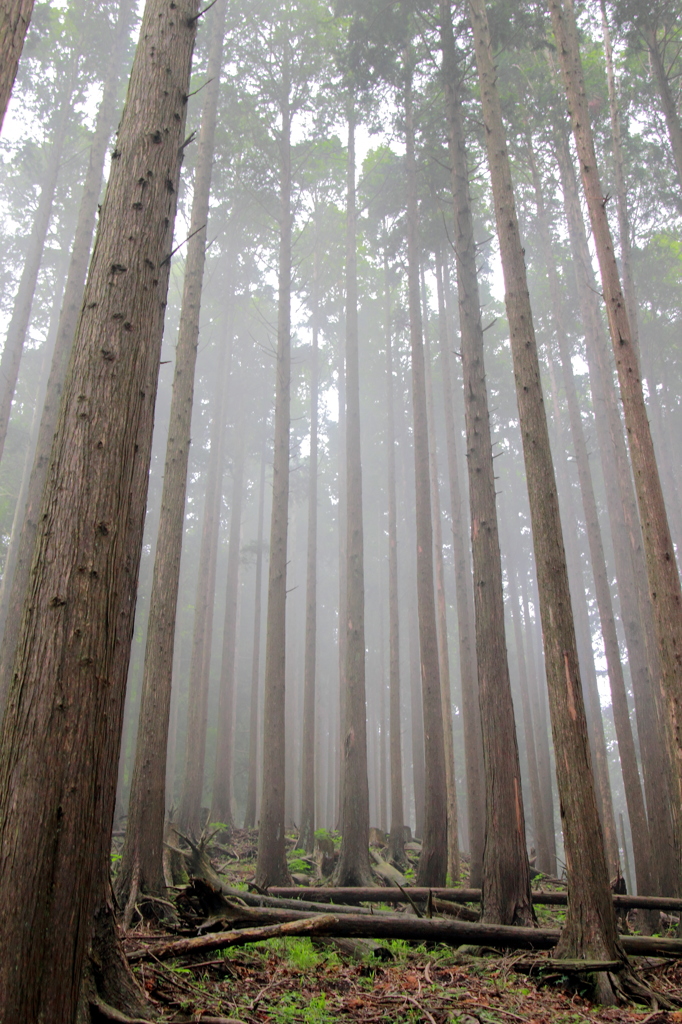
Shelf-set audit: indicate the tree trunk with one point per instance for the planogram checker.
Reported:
(14, 21)
(222, 806)
(471, 715)
(590, 929)
(626, 537)
(353, 867)
(58, 770)
(20, 553)
(672, 118)
(442, 622)
(343, 582)
(271, 867)
(252, 786)
(307, 833)
(396, 841)
(142, 858)
(662, 573)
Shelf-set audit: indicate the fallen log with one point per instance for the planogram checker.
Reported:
(386, 894)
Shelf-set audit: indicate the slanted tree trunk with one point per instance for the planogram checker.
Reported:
(252, 785)
(627, 546)
(396, 841)
(271, 868)
(15, 16)
(222, 806)
(506, 873)
(662, 573)
(60, 749)
(590, 928)
(141, 866)
(22, 541)
(353, 867)
(471, 715)
(442, 622)
(432, 868)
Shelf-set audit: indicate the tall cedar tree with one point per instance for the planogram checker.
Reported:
(62, 726)
(506, 872)
(590, 929)
(432, 867)
(142, 862)
(662, 572)
(15, 17)
(252, 784)
(353, 867)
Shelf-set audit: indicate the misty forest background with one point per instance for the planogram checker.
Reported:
(285, 63)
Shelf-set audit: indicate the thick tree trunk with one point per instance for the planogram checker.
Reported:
(627, 546)
(307, 832)
(15, 17)
(397, 836)
(222, 806)
(58, 770)
(662, 573)
(471, 715)
(432, 868)
(506, 874)
(590, 929)
(142, 862)
(252, 785)
(19, 556)
(271, 867)
(353, 867)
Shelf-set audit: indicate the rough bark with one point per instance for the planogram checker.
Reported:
(252, 786)
(142, 858)
(662, 572)
(16, 574)
(15, 17)
(271, 866)
(60, 747)
(432, 868)
(590, 929)
(353, 867)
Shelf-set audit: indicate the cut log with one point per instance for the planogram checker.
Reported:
(387, 871)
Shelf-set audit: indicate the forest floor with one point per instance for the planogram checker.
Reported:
(312, 981)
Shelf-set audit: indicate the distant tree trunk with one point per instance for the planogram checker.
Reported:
(271, 868)
(397, 836)
(306, 838)
(506, 875)
(662, 573)
(15, 17)
(343, 581)
(58, 771)
(23, 302)
(252, 786)
(672, 117)
(20, 553)
(471, 714)
(442, 622)
(141, 866)
(353, 867)
(626, 744)
(432, 869)
(626, 536)
(590, 928)
(222, 806)
(189, 811)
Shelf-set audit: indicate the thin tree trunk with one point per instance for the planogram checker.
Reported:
(343, 581)
(19, 556)
(15, 17)
(672, 117)
(58, 770)
(252, 786)
(590, 928)
(307, 832)
(397, 836)
(271, 868)
(222, 805)
(141, 866)
(662, 573)
(353, 867)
